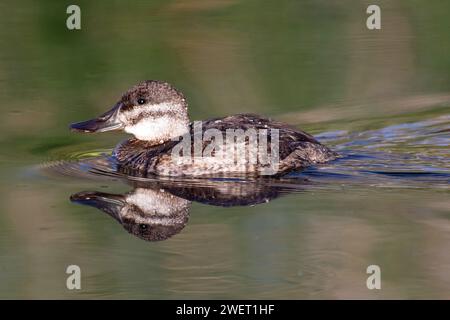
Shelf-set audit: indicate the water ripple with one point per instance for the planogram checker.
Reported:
(403, 155)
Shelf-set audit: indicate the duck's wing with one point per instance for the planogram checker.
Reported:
(254, 121)
(290, 138)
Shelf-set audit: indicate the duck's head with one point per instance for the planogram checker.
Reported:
(153, 111)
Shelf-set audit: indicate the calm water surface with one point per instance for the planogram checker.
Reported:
(381, 99)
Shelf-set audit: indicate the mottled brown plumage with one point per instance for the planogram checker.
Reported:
(297, 149)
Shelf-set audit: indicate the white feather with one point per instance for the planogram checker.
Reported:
(157, 129)
(160, 202)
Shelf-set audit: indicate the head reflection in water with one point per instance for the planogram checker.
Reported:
(157, 210)
(146, 213)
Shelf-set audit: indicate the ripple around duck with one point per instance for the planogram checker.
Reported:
(389, 156)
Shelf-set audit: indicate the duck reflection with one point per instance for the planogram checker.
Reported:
(149, 214)
(157, 210)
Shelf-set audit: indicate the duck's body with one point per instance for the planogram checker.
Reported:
(297, 150)
(156, 113)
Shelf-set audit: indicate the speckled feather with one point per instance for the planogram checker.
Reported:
(297, 150)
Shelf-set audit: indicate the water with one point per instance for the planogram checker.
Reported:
(380, 99)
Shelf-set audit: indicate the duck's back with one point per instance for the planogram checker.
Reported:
(296, 150)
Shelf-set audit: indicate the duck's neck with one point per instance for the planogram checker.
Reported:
(154, 131)
(157, 123)
(138, 154)
(159, 131)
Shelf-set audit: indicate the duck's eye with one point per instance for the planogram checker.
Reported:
(142, 226)
(141, 101)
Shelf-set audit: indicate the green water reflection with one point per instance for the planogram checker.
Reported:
(311, 63)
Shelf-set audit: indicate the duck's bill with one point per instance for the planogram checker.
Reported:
(106, 122)
(107, 202)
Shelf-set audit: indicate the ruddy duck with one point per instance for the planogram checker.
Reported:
(157, 115)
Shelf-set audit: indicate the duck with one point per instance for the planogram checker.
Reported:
(166, 143)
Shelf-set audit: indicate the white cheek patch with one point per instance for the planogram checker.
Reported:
(150, 129)
(158, 129)
(156, 202)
